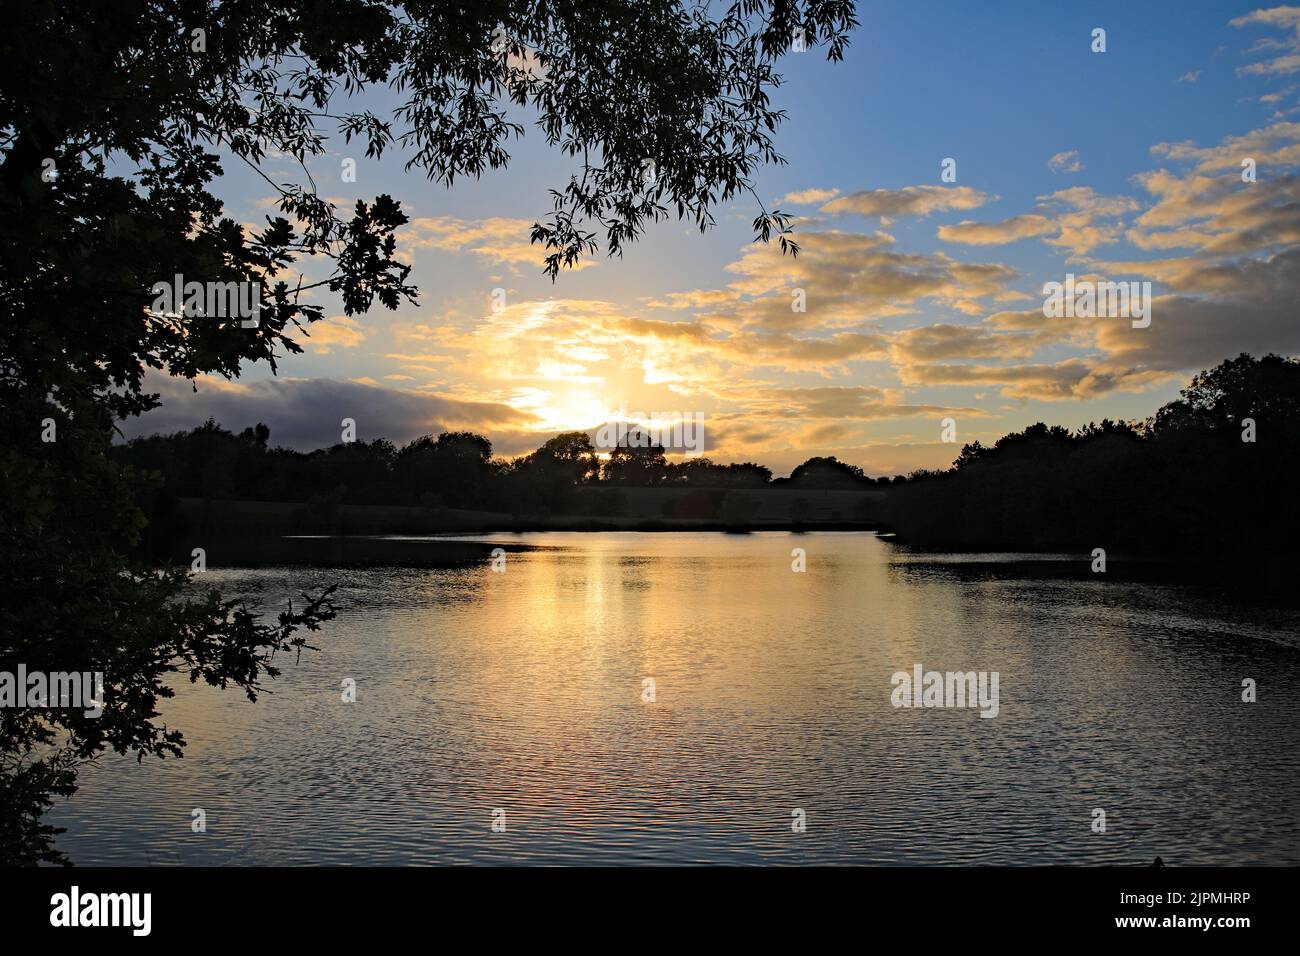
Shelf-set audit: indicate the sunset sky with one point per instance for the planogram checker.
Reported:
(924, 298)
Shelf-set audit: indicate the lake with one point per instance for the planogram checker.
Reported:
(681, 698)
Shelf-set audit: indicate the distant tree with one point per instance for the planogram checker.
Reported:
(546, 479)
(747, 474)
(1266, 389)
(827, 473)
(971, 453)
(1195, 478)
(257, 436)
(360, 471)
(703, 473)
(695, 472)
(572, 454)
(455, 466)
(636, 460)
(1108, 427)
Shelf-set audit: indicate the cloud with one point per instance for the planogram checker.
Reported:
(848, 279)
(1274, 145)
(694, 299)
(809, 197)
(498, 240)
(1068, 379)
(1066, 162)
(842, 402)
(1288, 48)
(1226, 218)
(306, 413)
(758, 348)
(1226, 308)
(824, 433)
(338, 331)
(1191, 76)
(931, 343)
(1086, 219)
(999, 233)
(1210, 209)
(908, 201)
(1076, 219)
(1223, 308)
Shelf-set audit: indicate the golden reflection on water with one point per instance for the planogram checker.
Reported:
(523, 691)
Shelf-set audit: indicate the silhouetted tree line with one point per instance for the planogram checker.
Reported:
(1213, 471)
(1210, 471)
(453, 469)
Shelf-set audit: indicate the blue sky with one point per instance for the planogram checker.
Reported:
(898, 335)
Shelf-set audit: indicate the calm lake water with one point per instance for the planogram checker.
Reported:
(522, 691)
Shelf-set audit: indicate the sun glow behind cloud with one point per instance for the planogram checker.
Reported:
(561, 410)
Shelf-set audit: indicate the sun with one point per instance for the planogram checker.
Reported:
(566, 409)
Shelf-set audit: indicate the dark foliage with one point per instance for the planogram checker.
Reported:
(117, 118)
(1182, 482)
(452, 470)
